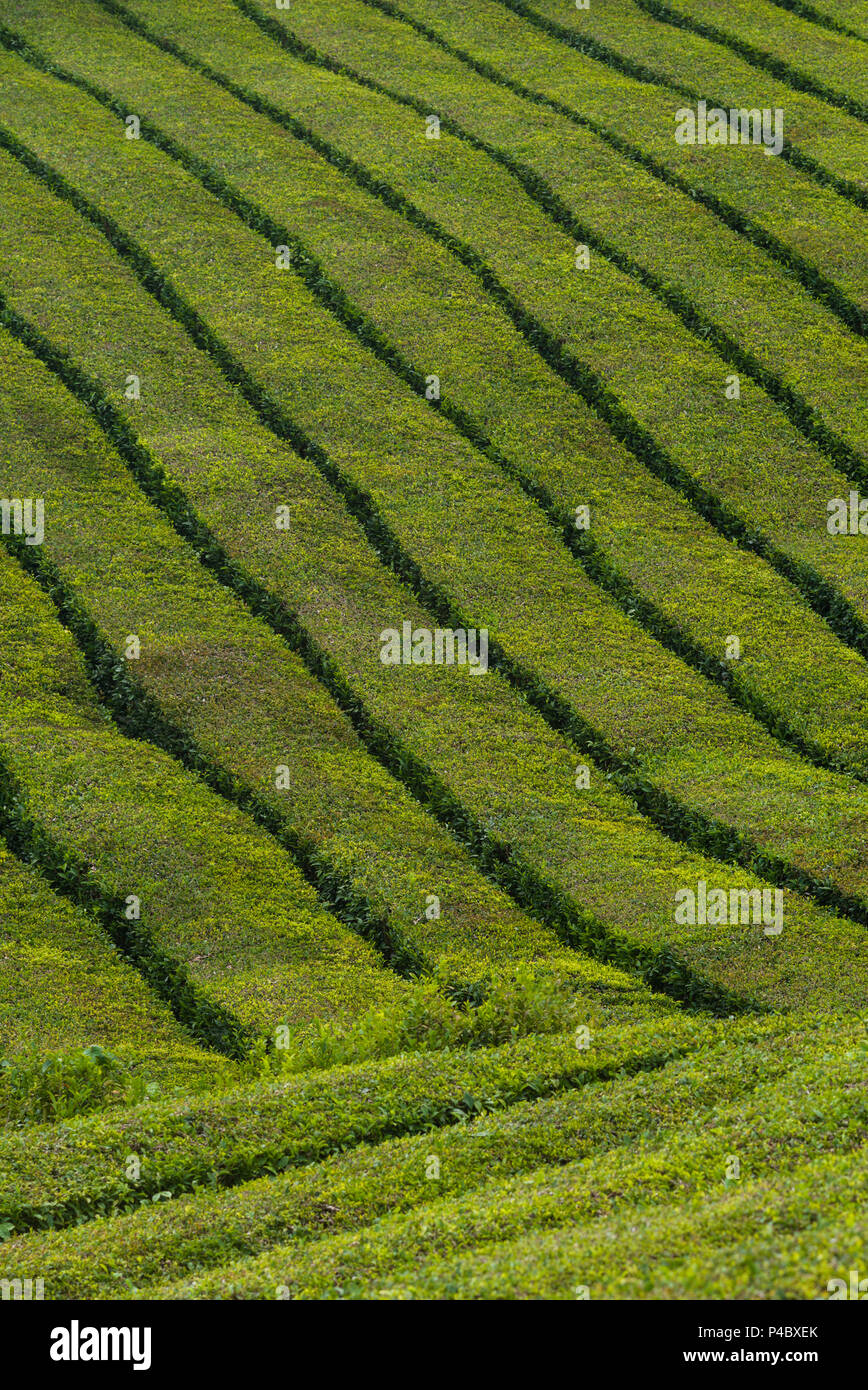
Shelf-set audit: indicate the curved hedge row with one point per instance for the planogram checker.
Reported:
(852, 13)
(796, 479)
(629, 101)
(808, 1223)
(354, 829)
(786, 46)
(559, 854)
(63, 986)
(51, 1177)
(839, 16)
(812, 1111)
(645, 542)
(207, 890)
(822, 142)
(284, 382)
(350, 1189)
(571, 650)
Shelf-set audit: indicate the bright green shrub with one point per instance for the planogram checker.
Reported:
(61, 1085)
(769, 194)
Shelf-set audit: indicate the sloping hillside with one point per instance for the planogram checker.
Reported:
(433, 641)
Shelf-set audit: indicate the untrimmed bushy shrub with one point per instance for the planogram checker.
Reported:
(63, 1084)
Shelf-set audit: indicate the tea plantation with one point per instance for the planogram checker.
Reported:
(433, 649)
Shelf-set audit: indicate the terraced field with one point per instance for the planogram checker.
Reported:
(433, 642)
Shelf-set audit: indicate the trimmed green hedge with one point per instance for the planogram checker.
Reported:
(591, 318)
(52, 1177)
(215, 895)
(817, 1233)
(312, 1177)
(852, 13)
(808, 1222)
(800, 961)
(63, 986)
(684, 58)
(813, 1110)
(822, 142)
(136, 576)
(838, 17)
(770, 193)
(564, 839)
(787, 46)
(530, 540)
(645, 543)
(350, 1189)
(721, 287)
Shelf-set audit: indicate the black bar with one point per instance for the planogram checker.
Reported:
(231, 1338)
